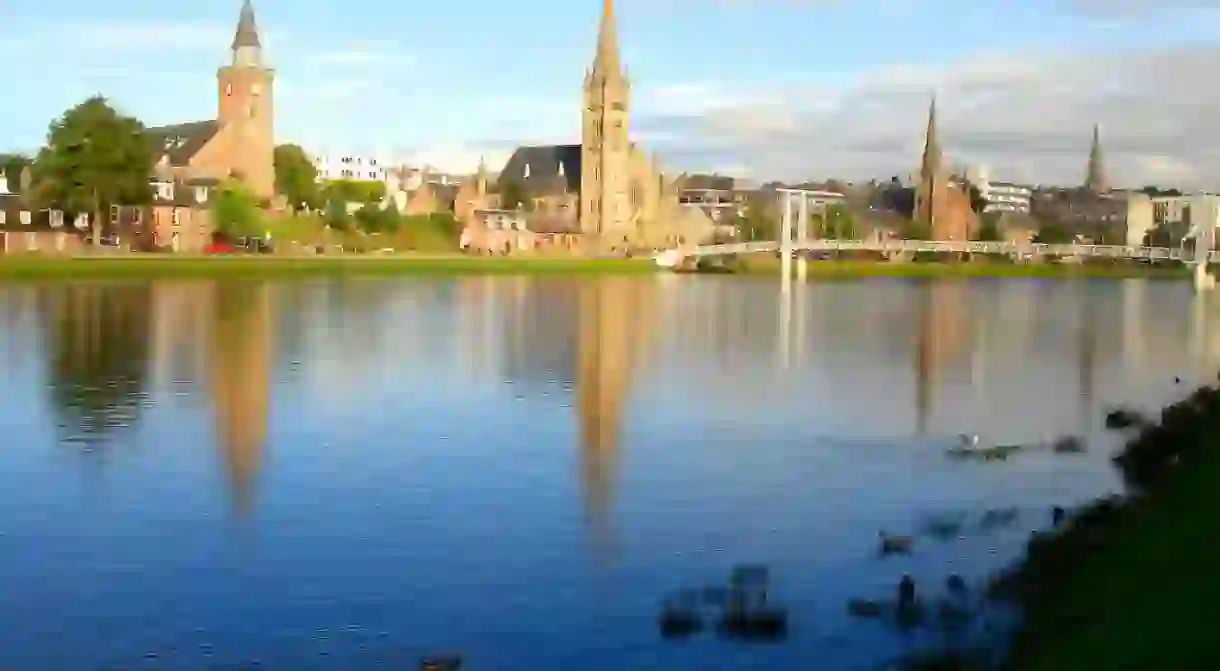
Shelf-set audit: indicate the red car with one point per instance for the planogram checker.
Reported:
(219, 248)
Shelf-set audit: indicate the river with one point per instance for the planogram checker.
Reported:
(346, 474)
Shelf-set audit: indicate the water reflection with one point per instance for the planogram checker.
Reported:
(97, 355)
(615, 328)
(241, 364)
(461, 443)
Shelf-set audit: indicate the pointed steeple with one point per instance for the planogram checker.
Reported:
(930, 166)
(607, 61)
(1095, 177)
(247, 47)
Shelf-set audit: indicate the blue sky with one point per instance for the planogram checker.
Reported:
(783, 88)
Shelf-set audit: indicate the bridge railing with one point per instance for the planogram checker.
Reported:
(934, 246)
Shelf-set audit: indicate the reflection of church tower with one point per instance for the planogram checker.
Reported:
(940, 335)
(1087, 350)
(241, 368)
(613, 332)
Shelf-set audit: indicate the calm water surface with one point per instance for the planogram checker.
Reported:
(351, 474)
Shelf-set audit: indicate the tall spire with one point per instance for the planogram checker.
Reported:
(607, 61)
(930, 166)
(247, 47)
(1095, 178)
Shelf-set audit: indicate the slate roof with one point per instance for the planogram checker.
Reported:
(181, 141)
(247, 28)
(710, 182)
(543, 164)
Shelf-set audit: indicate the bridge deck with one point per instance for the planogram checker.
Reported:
(972, 247)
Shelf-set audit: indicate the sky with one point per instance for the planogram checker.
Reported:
(765, 89)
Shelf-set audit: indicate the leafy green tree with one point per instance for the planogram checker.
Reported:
(12, 166)
(977, 202)
(336, 215)
(94, 158)
(837, 223)
(236, 213)
(296, 178)
(355, 190)
(373, 219)
(757, 224)
(1054, 233)
(916, 230)
(989, 228)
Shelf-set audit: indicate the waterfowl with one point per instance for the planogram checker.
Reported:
(906, 592)
(1058, 514)
(865, 608)
(441, 663)
(894, 544)
(956, 585)
(998, 518)
(679, 622)
(1068, 445)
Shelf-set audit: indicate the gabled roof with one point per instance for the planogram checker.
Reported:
(537, 169)
(181, 141)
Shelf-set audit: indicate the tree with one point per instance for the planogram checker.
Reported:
(94, 158)
(1052, 233)
(336, 215)
(989, 228)
(757, 223)
(296, 178)
(12, 165)
(836, 224)
(355, 190)
(916, 230)
(235, 212)
(373, 219)
(512, 196)
(977, 202)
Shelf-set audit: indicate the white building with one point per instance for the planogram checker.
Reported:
(351, 166)
(1000, 196)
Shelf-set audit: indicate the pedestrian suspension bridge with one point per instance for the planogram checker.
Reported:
(1196, 251)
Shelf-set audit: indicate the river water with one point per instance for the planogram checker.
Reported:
(348, 474)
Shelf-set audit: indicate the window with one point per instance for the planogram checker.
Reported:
(82, 221)
(114, 214)
(26, 218)
(57, 218)
(31, 241)
(173, 218)
(2, 217)
(165, 190)
(201, 194)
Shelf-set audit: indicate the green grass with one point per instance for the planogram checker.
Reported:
(1150, 600)
(405, 264)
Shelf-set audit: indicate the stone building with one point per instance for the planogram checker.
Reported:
(26, 228)
(940, 203)
(193, 158)
(605, 190)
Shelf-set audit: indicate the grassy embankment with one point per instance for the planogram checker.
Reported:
(1133, 583)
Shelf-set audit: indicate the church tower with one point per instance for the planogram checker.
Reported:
(930, 192)
(605, 148)
(246, 109)
(1095, 175)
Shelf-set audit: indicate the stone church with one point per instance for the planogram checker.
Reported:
(604, 195)
(941, 204)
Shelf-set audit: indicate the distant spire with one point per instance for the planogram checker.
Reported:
(247, 28)
(607, 61)
(930, 166)
(1095, 177)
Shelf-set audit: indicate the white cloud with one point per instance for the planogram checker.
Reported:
(1027, 116)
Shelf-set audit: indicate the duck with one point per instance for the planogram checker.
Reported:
(956, 585)
(1058, 514)
(906, 592)
(894, 544)
(865, 608)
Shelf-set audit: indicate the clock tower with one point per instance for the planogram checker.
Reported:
(247, 110)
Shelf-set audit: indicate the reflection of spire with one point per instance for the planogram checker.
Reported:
(612, 314)
(940, 325)
(1088, 354)
(923, 364)
(241, 370)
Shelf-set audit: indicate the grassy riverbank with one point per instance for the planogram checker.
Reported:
(768, 264)
(1132, 583)
(405, 264)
